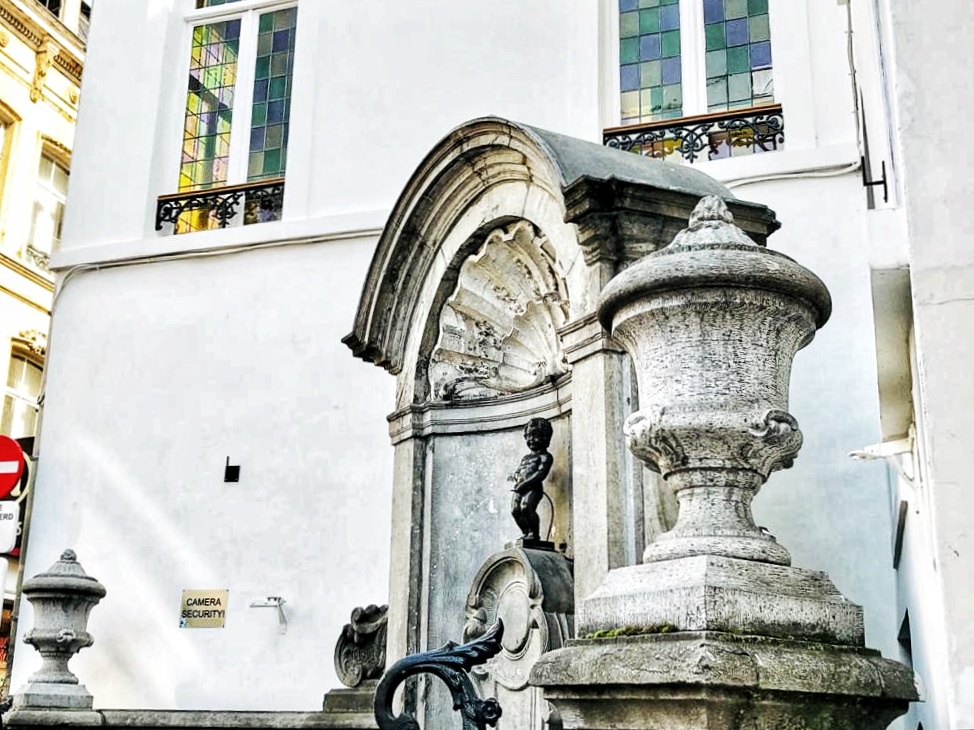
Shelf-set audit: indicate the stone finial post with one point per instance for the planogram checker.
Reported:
(716, 629)
(62, 598)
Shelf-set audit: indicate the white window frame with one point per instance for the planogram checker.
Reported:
(249, 12)
(56, 161)
(21, 396)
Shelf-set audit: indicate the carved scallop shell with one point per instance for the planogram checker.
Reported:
(497, 331)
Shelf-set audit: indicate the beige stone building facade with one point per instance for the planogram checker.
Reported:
(41, 55)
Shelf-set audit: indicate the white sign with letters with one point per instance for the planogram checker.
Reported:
(9, 524)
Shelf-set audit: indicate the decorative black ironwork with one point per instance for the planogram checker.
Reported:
(262, 201)
(451, 664)
(761, 129)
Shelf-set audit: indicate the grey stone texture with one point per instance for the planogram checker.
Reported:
(712, 323)
(714, 593)
(718, 681)
(532, 592)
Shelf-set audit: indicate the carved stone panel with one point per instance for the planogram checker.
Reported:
(532, 591)
(497, 332)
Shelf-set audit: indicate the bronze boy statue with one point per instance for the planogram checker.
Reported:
(529, 477)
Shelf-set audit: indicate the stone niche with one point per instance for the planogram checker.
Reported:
(481, 300)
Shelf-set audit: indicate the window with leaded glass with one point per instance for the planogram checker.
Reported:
(650, 74)
(238, 103)
(729, 65)
(738, 42)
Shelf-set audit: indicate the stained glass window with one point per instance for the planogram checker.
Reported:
(650, 75)
(225, 146)
(209, 105)
(272, 95)
(738, 43)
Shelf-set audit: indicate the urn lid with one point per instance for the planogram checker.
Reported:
(65, 576)
(713, 252)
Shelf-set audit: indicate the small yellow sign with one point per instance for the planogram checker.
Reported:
(203, 609)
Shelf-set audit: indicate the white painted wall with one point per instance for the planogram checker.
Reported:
(159, 371)
(157, 374)
(933, 94)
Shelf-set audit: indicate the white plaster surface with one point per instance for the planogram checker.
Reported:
(157, 374)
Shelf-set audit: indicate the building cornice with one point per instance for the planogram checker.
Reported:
(34, 277)
(37, 32)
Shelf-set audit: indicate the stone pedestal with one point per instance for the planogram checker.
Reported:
(716, 630)
(718, 681)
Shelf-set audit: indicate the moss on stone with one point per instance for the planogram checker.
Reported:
(630, 631)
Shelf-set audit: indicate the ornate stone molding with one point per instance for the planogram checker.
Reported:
(532, 592)
(68, 56)
(42, 64)
(33, 341)
(360, 653)
(497, 331)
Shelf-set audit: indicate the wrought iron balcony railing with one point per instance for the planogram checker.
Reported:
(202, 210)
(707, 136)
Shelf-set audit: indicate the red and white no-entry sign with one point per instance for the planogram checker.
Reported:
(11, 465)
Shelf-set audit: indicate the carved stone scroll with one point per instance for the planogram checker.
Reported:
(360, 653)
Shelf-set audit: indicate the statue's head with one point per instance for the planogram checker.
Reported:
(537, 433)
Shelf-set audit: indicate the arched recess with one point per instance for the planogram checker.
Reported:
(481, 300)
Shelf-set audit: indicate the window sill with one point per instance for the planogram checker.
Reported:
(305, 230)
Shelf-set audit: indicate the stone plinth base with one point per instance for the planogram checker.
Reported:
(353, 702)
(187, 720)
(710, 593)
(714, 681)
(41, 703)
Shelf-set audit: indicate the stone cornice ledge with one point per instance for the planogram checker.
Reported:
(28, 273)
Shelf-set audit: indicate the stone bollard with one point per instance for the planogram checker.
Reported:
(716, 630)
(62, 598)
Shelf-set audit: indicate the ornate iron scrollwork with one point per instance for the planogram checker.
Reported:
(262, 201)
(450, 664)
(762, 129)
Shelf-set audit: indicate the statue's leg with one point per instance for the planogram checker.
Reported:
(517, 512)
(529, 512)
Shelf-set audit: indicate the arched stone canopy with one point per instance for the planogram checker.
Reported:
(599, 208)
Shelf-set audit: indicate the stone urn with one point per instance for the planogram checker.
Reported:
(62, 598)
(712, 323)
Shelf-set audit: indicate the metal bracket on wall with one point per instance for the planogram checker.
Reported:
(274, 602)
(866, 182)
